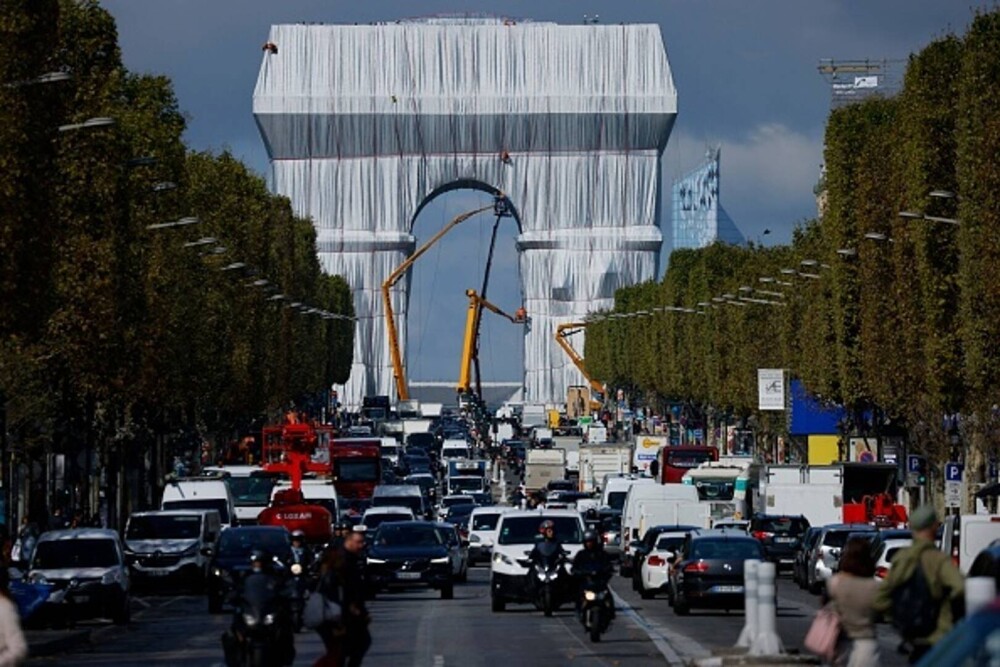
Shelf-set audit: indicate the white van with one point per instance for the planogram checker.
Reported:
(615, 489)
(315, 492)
(250, 488)
(964, 536)
(455, 449)
(400, 495)
(171, 543)
(390, 450)
(200, 494)
(641, 501)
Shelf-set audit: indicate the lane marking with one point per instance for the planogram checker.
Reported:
(674, 647)
(438, 661)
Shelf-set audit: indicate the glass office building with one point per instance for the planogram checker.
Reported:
(698, 219)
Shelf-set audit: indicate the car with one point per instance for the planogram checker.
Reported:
(459, 549)
(561, 485)
(376, 516)
(400, 495)
(610, 530)
(640, 548)
(408, 554)
(87, 571)
(516, 536)
(974, 641)
(427, 483)
(885, 551)
(886, 534)
(483, 533)
(451, 501)
(459, 517)
(707, 571)
(654, 572)
(779, 535)
(741, 525)
(823, 559)
(231, 558)
(987, 563)
(171, 544)
(209, 493)
(800, 564)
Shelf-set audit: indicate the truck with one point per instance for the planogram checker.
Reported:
(542, 437)
(466, 476)
(599, 460)
(836, 493)
(534, 415)
(543, 466)
(647, 448)
(595, 433)
(356, 466)
(411, 426)
(502, 430)
(431, 410)
(963, 536)
(728, 487)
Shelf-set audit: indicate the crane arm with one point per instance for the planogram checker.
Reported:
(398, 372)
(563, 331)
(472, 319)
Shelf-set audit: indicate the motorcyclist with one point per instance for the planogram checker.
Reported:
(340, 530)
(262, 583)
(301, 554)
(549, 545)
(591, 561)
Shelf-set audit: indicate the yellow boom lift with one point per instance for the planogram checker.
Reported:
(563, 332)
(398, 372)
(472, 319)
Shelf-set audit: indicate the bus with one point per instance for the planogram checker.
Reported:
(677, 460)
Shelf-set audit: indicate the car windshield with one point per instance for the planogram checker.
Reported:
(75, 554)
(460, 510)
(687, 459)
(423, 481)
(219, 504)
(251, 491)
(616, 499)
(415, 503)
(455, 452)
(725, 549)
(524, 529)
(448, 536)
(238, 543)
(376, 520)
(163, 527)
(407, 535)
(420, 440)
(452, 502)
(715, 489)
(782, 525)
(836, 538)
(466, 483)
(670, 543)
(485, 521)
(357, 470)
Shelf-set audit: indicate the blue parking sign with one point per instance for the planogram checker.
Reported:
(953, 472)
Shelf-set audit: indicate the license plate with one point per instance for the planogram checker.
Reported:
(156, 572)
(81, 599)
(408, 575)
(784, 540)
(727, 589)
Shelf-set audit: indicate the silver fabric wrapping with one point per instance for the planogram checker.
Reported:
(366, 124)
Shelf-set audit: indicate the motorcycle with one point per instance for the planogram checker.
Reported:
(597, 605)
(548, 575)
(261, 633)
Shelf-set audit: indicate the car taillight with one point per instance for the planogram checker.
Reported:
(656, 561)
(762, 534)
(700, 566)
(881, 572)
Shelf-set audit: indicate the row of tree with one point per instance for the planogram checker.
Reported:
(117, 329)
(874, 311)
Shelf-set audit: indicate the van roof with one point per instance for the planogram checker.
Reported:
(79, 534)
(397, 490)
(173, 512)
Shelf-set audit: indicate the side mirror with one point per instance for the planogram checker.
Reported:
(207, 551)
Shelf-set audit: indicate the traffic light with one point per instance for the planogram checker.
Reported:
(921, 471)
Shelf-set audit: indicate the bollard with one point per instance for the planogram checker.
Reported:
(749, 603)
(979, 593)
(767, 641)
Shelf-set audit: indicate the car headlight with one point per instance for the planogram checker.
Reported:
(250, 620)
(38, 578)
(190, 551)
(269, 619)
(217, 572)
(589, 596)
(375, 561)
(440, 561)
(296, 568)
(474, 539)
(111, 577)
(502, 558)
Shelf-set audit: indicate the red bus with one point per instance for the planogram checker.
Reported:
(356, 466)
(676, 461)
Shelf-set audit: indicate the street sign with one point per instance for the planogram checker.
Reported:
(913, 463)
(953, 484)
(953, 472)
(771, 389)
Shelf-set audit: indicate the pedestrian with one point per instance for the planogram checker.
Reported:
(354, 590)
(13, 647)
(852, 591)
(330, 586)
(57, 521)
(924, 592)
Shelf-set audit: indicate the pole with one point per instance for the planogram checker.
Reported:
(749, 631)
(767, 641)
(479, 308)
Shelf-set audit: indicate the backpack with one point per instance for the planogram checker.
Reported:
(914, 610)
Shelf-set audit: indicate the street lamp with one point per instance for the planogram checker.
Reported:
(789, 272)
(183, 222)
(90, 123)
(847, 252)
(207, 240)
(48, 77)
(766, 279)
(942, 194)
(164, 186)
(808, 262)
(876, 236)
(235, 266)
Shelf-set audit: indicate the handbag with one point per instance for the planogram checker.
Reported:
(320, 610)
(824, 633)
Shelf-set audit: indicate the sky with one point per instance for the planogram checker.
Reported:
(745, 72)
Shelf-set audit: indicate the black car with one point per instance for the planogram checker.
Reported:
(780, 536)
(411, 553)
(424, 441)
(415, 464)
(801, 562)
(708, 571)
(987, 563)
(641, 548)
(428, 485)
(231, 558)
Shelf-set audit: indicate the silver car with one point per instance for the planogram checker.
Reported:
(825, 555)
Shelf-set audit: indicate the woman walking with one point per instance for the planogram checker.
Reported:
(852, 591)
(330, 585)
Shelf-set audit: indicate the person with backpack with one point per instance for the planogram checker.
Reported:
(924, 593)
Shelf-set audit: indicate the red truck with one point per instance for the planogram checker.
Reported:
(355, 466)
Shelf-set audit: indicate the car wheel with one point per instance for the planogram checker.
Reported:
(447, 592)
(815, 587)
(646, 593)
(497, 604)
(681, 607)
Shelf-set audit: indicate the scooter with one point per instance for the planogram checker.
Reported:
(548, 575)
(261, 632)
(597, 605)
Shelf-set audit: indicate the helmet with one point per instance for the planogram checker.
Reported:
(298, 535)
(548, 524)
(589, 536)
(258, 556)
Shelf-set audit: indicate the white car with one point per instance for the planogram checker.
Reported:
(515, 539)
(483, 532)
(654, 574)
(450, 501)
(376, 516)
(739, 525)
(886, 551)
